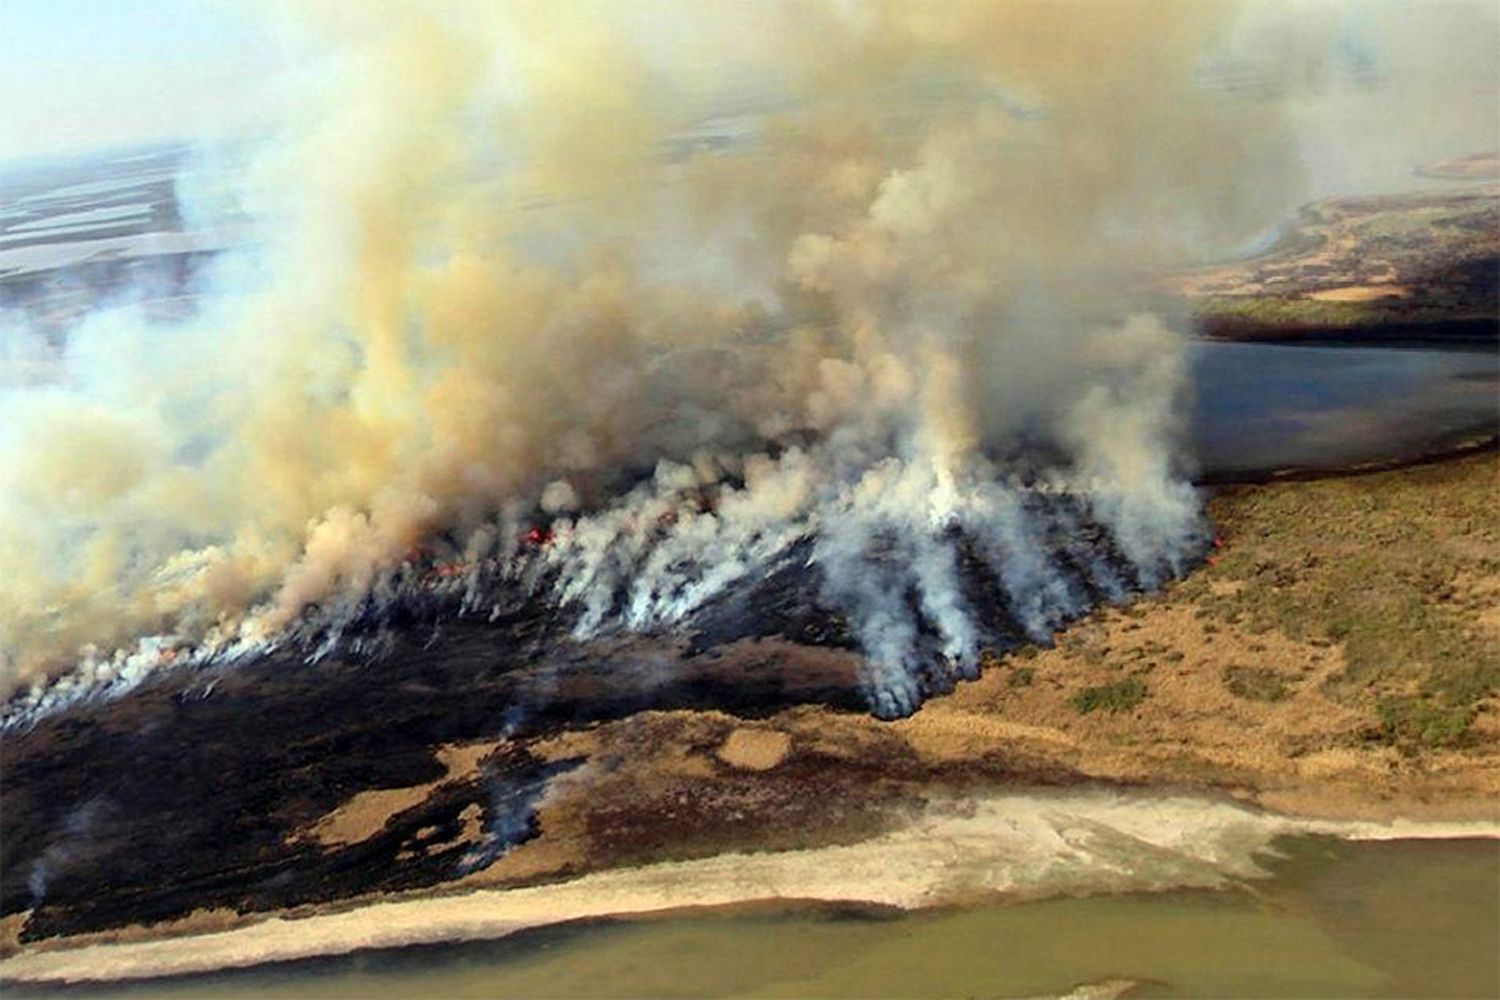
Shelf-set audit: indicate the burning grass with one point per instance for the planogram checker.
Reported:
(1276, 670)
(1326, 721)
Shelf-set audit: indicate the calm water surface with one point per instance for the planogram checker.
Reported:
(1264, 407)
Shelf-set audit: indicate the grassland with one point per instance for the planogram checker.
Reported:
(1400, 570)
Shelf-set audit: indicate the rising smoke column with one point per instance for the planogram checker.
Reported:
(518, 257)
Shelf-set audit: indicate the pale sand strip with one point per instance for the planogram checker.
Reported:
(1017, 845)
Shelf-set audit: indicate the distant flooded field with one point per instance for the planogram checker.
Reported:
(1369, 919)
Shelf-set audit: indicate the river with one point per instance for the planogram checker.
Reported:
(1397, 918)
(1261, 408)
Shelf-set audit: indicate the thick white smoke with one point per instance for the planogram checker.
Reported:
(696, 290)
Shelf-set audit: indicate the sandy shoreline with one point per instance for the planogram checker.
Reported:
(1016, 846)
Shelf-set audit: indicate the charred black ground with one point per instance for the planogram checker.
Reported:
(186, 793)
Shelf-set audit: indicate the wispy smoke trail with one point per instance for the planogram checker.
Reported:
(692, 290)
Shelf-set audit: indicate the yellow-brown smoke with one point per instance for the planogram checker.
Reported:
(516, 248)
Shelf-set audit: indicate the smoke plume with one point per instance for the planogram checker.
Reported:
(685, 289)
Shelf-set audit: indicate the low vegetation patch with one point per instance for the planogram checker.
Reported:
(1120, 696)
(1417, 722)
(1255, 683)
(1398, 568)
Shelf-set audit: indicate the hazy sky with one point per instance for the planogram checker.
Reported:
(89, 74)
(81, 74)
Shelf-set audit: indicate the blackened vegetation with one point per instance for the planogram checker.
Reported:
(785, 602)
(190, 791)
(790, 602)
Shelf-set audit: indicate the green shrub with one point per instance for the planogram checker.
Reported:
(1417, 722)
(1117, 697)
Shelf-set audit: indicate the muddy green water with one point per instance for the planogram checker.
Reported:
(1393, 919)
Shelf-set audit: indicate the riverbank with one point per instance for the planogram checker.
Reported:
(1330, 662)
(1028, 844)
(1420, 268)
(1339, 918)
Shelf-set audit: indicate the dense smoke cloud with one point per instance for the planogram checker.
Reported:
(690, 284)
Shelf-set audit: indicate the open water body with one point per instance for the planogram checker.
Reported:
(1336, 919)
(1260, 408)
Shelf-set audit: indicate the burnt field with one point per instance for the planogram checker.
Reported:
(187, 792)
(1279, 666)
(194, 790)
